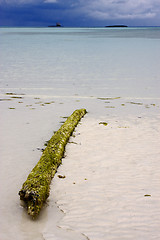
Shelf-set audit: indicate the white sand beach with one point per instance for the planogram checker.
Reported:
(111, 187)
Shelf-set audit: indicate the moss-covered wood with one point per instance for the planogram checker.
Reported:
(35, 189)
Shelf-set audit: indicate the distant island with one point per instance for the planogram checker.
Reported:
(110, 26)
(57, 25)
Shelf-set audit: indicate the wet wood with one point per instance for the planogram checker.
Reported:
(35, 189)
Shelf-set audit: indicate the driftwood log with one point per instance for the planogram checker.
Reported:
(35, 189)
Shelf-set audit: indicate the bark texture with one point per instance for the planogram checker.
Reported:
(35, 189)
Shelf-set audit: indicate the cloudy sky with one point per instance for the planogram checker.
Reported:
(79, 12)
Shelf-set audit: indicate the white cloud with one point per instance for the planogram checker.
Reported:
(125, 9)
(50, 1)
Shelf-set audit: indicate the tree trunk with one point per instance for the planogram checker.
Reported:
(35, 189)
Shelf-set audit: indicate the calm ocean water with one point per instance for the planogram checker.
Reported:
(84, 61)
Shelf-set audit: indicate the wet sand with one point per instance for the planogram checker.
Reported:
(111, 189)
(111, 185)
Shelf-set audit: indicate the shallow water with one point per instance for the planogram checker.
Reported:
(45, 75)
(83, 61)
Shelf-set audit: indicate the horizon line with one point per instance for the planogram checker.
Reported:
(74, 26)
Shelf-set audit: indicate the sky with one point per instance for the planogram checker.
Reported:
(79, 13)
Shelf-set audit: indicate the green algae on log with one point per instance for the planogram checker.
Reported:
(35, 189)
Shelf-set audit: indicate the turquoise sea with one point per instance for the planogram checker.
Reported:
(84, 61)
